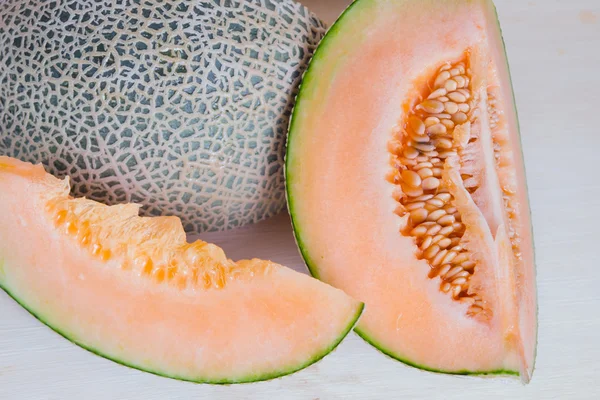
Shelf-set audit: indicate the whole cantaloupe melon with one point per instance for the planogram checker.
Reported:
(181, 106)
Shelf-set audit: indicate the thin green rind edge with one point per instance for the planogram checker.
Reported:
(331, 32)
(311, 266)
(391, 354)
(249, 379)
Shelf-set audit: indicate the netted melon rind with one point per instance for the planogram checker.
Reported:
(180, 106)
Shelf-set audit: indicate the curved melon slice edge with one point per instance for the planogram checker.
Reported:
(306, 94)
(293, 318)
(248, 379)
(390, 353)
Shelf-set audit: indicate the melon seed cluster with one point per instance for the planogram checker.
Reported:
(117, 233)
(418, 157)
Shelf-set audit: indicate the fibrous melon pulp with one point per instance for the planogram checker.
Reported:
(132, 289)
(181, 106)
(406, 184)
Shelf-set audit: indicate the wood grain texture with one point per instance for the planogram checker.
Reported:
(554, 51)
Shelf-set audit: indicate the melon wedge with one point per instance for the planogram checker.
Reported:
(133, 290)
(406, 184)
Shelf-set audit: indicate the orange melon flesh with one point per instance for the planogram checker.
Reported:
(133, 290)
(374, 66)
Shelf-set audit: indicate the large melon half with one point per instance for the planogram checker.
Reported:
(133, 290)
(406, 184)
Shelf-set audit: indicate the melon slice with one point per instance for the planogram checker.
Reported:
(133, 290)
(407, 189)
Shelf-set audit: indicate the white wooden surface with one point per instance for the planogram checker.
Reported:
(554, 50)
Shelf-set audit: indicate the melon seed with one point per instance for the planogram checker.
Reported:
(419, 138)
(429, 121)
(437, 238)
(412, 191)
(460, 81)
(436, 202)
(452, 272)
(431, 106)
(465, 93)
(426, 243)
(423, 146)
(446, 230)
(430, 183)
(459, 281)
(423, 165)
(461, 258)
(444, 270)
(460, 117)
(437, 129)
(425, 173)
(416, 125)
(437, 260)
(438, 93)
(456, 291)
(430, 208)
(449, 257)
(414, 206)
(419, 215)
(441, 79)
(446, 220)
(446, 287)
(451, 107)
(448, 123)
(468, 265)
(437, 214)
(445, 242)
(425, 197)
(418, 231)
(411, 178)
(463, 274)
(442, 143)
(457, 97)
(450, 86)
(434, 230)
(410, 152)
(447, 153)
(431, 252)
(450, 209)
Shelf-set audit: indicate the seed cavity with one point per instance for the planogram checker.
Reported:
(434, 222)
(97, 230)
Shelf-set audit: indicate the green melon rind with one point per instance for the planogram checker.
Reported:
(246, 379)
(410, 363)
(306, 80)
(310, 264)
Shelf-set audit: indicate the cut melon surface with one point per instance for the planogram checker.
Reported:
(133, 290)
(406, 184)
